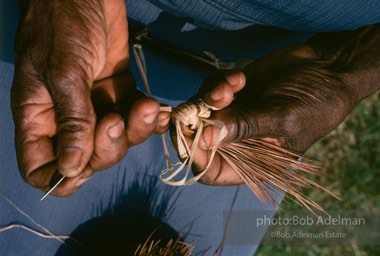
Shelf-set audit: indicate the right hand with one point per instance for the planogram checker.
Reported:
(62, 48)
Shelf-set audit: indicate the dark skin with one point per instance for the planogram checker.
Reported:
(65, 55)
(76, 109)
(292, 97)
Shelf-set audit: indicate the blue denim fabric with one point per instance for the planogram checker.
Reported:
(128, 199)
(250, 28)
(298, 15)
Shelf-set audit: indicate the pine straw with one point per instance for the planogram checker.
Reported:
(266, 168)
(172, 248)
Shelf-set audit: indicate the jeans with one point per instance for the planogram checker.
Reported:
(297, 15)
(128, 201)
(233, 29)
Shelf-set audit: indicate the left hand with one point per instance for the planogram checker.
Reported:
(288, 98)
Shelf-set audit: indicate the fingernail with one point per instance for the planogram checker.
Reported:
(216, 95)
(236, 78)
(116, 130)
(149, 118)
(69, 159)
(241, 78)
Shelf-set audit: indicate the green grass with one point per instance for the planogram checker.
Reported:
(351, 169)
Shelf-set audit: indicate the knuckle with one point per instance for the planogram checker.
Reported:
(75, 123)
(290, 123)
(21, 119)
(68, 76)
(289, 126)
(242, 126)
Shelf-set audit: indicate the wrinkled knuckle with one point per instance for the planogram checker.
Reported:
(342, 104)
(76, 123)
(290, 124)
(61, 77)
(243, 126)
(23, 122)
(68, 76)
(74, 129)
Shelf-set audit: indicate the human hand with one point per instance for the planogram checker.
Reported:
(289, 98)
(62, 49)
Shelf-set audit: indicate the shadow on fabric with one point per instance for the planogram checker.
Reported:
(122, 227)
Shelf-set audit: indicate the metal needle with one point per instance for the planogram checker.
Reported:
(52, 188)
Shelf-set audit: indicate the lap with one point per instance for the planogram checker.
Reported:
(128, 200)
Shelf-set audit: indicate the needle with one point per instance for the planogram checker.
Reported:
(52, 188)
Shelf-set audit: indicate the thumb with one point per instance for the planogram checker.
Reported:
(243, 125)
(75, 120)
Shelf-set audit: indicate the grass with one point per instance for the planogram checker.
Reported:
(351, 169)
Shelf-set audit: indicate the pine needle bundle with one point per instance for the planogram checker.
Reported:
(172, 248)
(266, 167)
